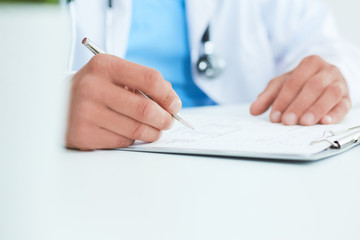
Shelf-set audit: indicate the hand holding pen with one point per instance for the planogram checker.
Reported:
(105, 114)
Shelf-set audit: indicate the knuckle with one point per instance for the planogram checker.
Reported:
(337, 90)
(314, 60)
(317, 84)
(332, 69)
(152, 78)
(156, 136)
(138, 132)
(298, 106)
(293, 84)
(321, 109)
(145, 110)
(97, 63)
(168, 122)
(124, 142)
(271, 83)
(169, 97)
(273, 87)
(169, 85)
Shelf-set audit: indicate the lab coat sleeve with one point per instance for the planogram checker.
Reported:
(301, 28)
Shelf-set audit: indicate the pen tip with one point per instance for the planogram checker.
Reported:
(84, 40)
(188, 125)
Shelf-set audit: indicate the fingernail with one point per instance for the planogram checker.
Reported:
(327, 119)
(290, 119)
(276, 117)
(175, 106)
(308, 119)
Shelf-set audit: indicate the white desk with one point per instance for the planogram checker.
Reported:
(54, 193)
(48, 192)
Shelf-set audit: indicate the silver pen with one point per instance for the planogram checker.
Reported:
(96, 50)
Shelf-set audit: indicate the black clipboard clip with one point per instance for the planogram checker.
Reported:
(340, 139)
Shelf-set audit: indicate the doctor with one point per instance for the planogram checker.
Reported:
(279, 54)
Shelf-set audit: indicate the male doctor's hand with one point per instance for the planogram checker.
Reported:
(315, 92)
(105, 113)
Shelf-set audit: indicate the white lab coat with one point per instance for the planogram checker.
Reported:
(259, 39)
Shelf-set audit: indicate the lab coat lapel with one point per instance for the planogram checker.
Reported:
(90, 22)
(122, 10)
(199, 14)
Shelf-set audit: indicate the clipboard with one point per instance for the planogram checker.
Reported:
(256, 137)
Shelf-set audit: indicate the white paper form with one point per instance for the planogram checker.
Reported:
(236, 135)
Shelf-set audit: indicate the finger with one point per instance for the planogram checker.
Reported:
(90, 137)
(138, 77)
(126, 127)
(293, 84)
(267, 97)
(136, 107)
(332, 95)
(308, 95)
(338, 112)
(106, 139)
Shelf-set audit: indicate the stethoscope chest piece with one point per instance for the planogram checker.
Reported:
(209, 65)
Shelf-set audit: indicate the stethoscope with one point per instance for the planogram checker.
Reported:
(209, 65)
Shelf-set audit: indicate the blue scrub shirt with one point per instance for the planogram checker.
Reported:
(159, 39)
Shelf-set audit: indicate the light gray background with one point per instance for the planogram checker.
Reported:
(347, 17)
